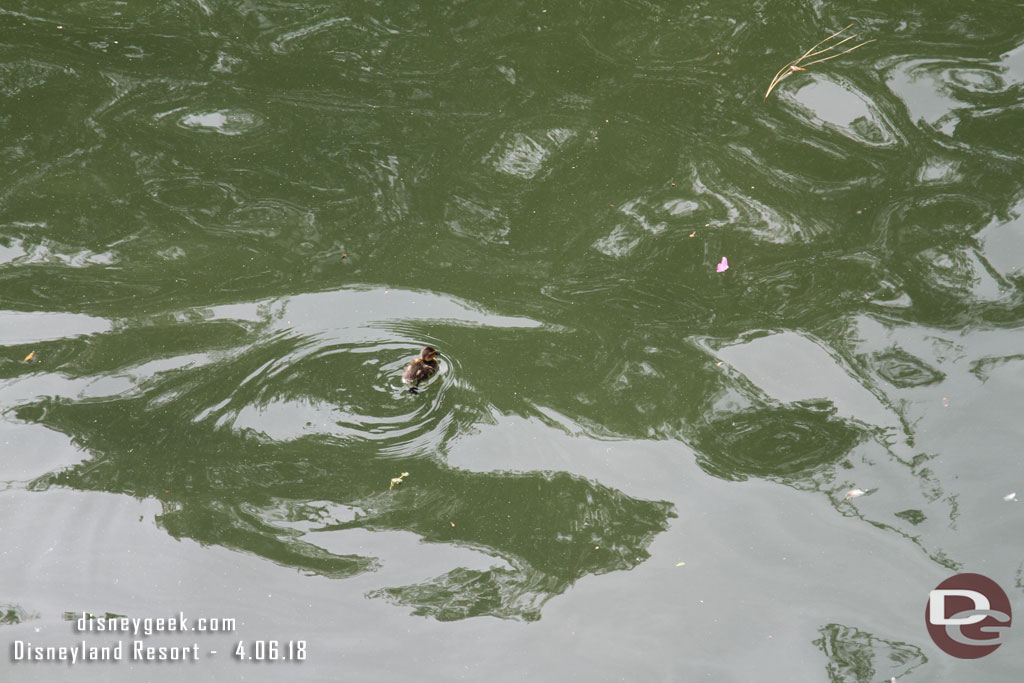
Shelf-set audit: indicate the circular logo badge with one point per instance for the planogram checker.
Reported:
(968, 616)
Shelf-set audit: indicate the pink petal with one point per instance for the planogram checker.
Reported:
(723, 266)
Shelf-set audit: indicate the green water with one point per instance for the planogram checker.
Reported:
(226, 228)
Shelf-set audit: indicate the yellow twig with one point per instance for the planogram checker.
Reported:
(795, 65)
(825, 59)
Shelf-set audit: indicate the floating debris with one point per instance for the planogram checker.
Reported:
(1011, 498)
(395, 481)
(29, 357)
(723, 265)
(854, 493)
(814, 52)
(680, 564)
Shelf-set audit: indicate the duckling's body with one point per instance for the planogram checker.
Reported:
(422, 368)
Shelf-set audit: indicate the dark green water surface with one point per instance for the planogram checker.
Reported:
(226, 227)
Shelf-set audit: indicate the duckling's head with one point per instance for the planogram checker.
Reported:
(428, 353)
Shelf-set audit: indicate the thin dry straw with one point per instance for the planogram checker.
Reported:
(795, 64)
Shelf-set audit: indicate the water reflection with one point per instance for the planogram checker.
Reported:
(902, 369)
(554, 529)
(849, 111)
(240, 442)
(14, 614)
(785, 444)
(857, 656)
(195, 190)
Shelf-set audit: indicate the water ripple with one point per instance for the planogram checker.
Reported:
(223, 122)
(348, 393)
(952, 97)
(843, 107)
(524, 156)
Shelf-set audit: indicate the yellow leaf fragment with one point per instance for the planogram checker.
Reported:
(395, 481)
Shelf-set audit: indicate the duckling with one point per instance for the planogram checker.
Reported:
(421, 368)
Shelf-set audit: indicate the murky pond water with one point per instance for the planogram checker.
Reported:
(225, 229)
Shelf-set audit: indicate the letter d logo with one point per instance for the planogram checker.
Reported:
(937, 607)
(963, 614)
